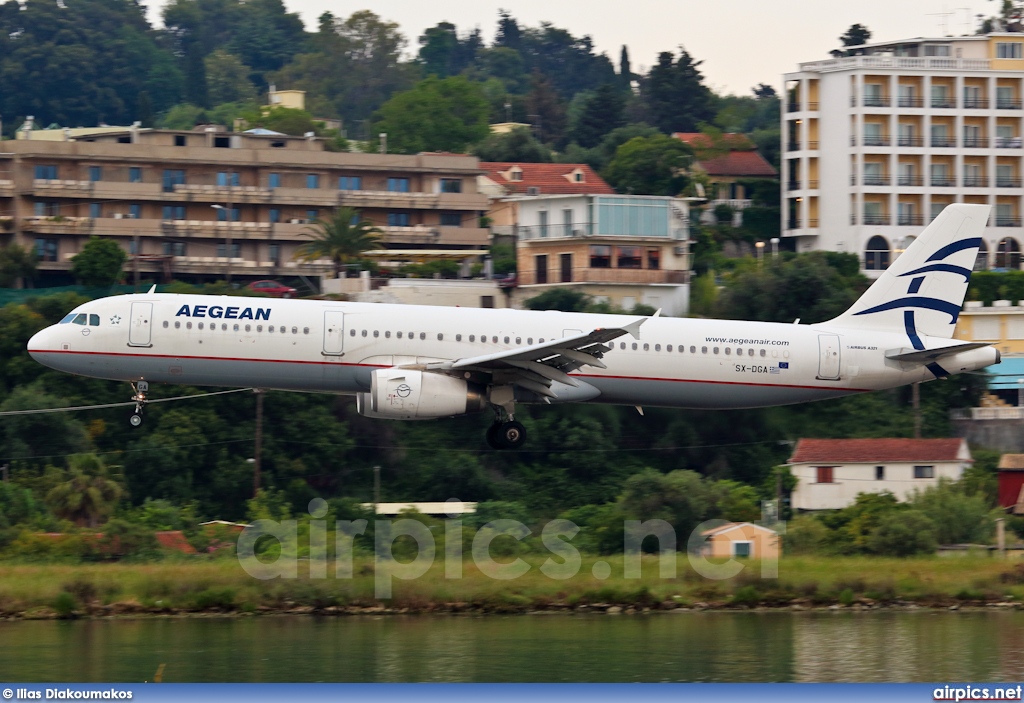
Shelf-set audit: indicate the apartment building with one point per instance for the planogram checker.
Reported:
(203, 204)
(620, 249)
(876, 144)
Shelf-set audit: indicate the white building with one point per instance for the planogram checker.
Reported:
(876, 144)
(832, 472)
(620, 249)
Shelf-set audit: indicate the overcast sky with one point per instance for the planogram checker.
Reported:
(741, 42)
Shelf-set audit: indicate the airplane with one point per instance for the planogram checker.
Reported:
(417, 362)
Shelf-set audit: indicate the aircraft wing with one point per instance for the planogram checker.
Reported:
(925, 356)
(537, 366)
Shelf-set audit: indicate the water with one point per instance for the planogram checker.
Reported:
(694, 646)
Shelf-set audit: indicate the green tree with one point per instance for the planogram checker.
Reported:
(959, 518)
(654, 165)
(518, 145)
(856, 35)
(183, 117)
(903, 534)
(601, 113)
(806, 286)
(76, 64)
(564, 299)
(546, 109)
(287, 120)
(99, 263)
(196, 90)
(625, 71)
(227, 79)
(343, 239)
(351, 67)
(88, 495)
(674, 95)
(447, 114)
(17, 266)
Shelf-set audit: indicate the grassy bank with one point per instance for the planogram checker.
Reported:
(222, 586)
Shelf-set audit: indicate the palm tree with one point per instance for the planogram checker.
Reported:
(89, 495)
(343, 238)
(17, 265)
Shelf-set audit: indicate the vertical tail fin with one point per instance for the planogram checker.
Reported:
(923, 290)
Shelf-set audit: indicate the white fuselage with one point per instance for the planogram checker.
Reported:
(335, 346)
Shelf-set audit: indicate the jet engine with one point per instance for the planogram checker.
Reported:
(407, 394)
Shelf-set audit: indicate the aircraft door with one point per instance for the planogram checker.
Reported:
(334, 332)
(140, 332)
(571, 333)
(828, 357)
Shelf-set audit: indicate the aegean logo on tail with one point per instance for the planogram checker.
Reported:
(228, 313)
(950, 308)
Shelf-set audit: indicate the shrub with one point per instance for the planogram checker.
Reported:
(746, 595)
(903, 533)
(65, 605)
(846, 596)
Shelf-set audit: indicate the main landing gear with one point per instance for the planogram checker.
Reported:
(140, 388)
(506, 434)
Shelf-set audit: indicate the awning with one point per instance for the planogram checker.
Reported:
(1009, 374)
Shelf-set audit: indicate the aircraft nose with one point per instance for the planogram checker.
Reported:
(37, 343)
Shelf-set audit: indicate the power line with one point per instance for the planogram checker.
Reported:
(76, 408)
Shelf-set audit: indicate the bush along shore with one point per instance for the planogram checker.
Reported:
(222, 587)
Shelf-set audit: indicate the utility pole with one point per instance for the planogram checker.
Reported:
(257, 455)
(915, 390)
(376, 488)
(135, 260)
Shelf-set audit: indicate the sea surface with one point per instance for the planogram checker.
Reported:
(920, 646)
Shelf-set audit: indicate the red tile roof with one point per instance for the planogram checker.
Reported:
(738, 163)
(175, 540)
(742, 159)
(699, 140)
(551, 179)
(853, 451)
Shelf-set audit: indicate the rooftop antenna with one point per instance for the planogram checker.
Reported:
(946, 14)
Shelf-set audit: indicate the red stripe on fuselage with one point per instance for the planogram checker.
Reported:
(381, 366)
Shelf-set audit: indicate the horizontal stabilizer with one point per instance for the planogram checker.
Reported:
(925, 356)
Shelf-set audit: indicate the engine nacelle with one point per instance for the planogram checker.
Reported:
(406, 394)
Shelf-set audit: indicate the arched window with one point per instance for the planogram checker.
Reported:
(876, 254)
(1008, 254)
(981, 263)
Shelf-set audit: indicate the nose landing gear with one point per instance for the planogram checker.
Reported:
(141, 388)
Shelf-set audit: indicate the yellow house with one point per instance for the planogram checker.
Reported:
(1000, 324)
(741, 539)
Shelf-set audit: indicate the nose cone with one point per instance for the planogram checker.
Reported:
(38, 345)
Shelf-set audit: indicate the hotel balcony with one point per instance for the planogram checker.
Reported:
(606, 275)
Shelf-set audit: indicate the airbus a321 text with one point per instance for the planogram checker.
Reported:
(416, 362)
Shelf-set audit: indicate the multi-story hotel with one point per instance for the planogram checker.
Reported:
(876, 144)
(207, 203)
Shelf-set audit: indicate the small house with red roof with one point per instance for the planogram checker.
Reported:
(727, 163)
(832, 472)
(502, 179)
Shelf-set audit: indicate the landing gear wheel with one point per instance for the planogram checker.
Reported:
(135, 420)
(511, 435)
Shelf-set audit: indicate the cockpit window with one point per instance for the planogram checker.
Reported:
(68, 318)
(94, 320)
(80, 319)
